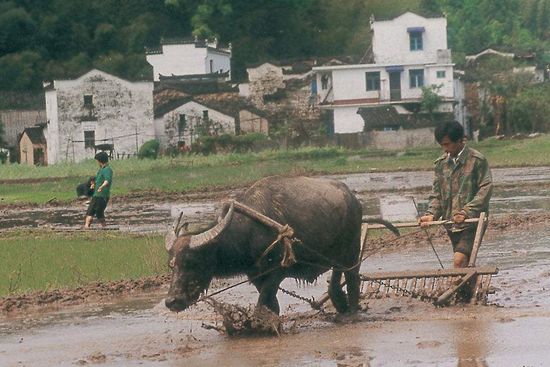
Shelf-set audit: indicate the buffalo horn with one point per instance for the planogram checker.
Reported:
(173, 234)
(208, 236)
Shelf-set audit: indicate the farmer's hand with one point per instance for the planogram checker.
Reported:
(425, 220)
(100, 188)
(459, 218)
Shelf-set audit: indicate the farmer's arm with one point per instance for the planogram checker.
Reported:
(434, 208)
(480, 202)
(105, 183)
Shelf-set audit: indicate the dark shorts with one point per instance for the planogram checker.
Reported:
(463, 241)
(97, 207)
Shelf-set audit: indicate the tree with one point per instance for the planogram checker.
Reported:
(16, 31)
(430, 99)
(21, 71)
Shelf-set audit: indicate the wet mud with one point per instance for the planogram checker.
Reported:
(133, 327)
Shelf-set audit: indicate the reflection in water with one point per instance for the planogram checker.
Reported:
(471, 343)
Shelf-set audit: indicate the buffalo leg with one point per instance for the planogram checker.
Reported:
(268, 288)
(336, 294)
(353, 282)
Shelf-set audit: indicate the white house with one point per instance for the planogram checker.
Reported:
(97, 109)
(183, 122)
(189, 56)
(408, 52)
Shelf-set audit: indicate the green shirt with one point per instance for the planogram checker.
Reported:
(462, 188)
(104, 174)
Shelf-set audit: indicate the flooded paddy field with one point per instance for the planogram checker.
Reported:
(510, 331)
(139, 330)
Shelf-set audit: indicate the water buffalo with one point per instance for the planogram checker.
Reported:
(325, 216)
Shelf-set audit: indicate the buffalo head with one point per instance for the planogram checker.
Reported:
(190, 261)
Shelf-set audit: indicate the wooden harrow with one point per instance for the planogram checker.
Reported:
(439, 286)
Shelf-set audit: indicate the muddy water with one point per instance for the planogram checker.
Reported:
(157, 217)
(374, 181)
(394, 332)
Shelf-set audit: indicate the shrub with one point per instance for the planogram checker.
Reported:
(149, 149)
(226, 143)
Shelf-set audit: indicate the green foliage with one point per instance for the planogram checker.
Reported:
(46, 260)
(211, 144)
(193, 172)
(149, 149)
(430, 98)
(20, 71)
(67, 37)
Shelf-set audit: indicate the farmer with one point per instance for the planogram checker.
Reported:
(461, 189)
(102, 190)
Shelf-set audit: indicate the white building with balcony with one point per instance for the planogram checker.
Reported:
(188, 56)
(408, 52)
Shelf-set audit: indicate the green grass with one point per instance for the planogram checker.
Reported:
(167, 175)
(45, 260)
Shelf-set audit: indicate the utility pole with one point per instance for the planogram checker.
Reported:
(137, 150)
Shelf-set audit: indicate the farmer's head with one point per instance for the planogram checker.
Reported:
(450, 136)
(102, 158)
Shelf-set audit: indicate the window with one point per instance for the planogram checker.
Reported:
(416, 41)
(324, 82)
(211, 66)
(182, 123)
(89, 139)
(441, 74)
(205, 114)
(373, 80)
(416, 78)
(88, 100)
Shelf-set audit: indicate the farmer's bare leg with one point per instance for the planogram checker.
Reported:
(88, 221)
(102, 222)
(460, 260)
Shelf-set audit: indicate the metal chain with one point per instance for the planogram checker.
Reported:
(311, 301)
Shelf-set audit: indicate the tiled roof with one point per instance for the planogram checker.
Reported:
(35, 134)
(23, 100)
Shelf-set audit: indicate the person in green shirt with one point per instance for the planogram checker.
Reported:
(461, 189)
(102, 191)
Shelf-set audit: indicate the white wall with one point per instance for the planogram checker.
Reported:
(183, 59)
(350, 83)
(194, 116)
(52, 131)
(120, 108)
(391, 41)
(347, 120)
(401, 139)
(221, 62)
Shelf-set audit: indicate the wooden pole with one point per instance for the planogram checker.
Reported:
(477, 241)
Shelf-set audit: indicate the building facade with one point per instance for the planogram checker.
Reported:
(181, 125)
(408, 52)
(33, 147)
(188, 56)
(95, 111)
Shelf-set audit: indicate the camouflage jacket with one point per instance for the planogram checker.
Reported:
(464, 188)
